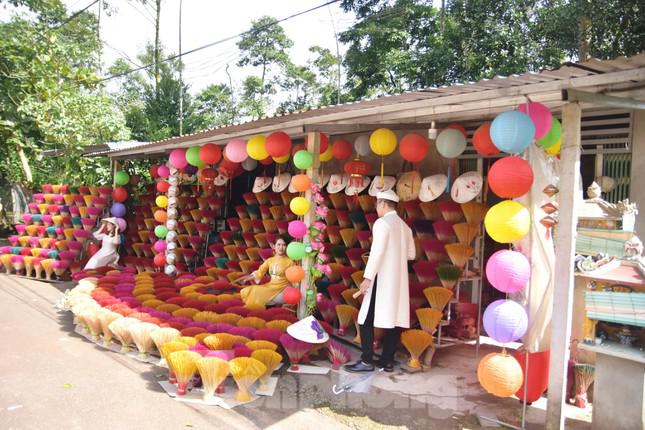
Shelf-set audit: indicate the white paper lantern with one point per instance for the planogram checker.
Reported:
(171, 236)
(170, 269)
(171, 224)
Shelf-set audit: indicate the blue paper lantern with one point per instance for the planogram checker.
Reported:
(118, 210)
(505, 321)
(512, 132)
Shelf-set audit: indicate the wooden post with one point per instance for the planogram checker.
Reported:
(564, 257)
(313, 146)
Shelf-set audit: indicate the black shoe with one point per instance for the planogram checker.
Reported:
(389, 367)
(359, 366)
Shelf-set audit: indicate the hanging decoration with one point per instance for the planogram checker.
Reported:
(299, 206)
(171, 222)
(512, 132)
(256, 147)
(249, 164)
(121, 178)
(163, 171)
(414, 147)
(482, 141)
(500, 374)
(278, 144)
(327, 155)
(505, 321)
(552, 137)
(324, 142)
(540, 115)
(356, 169)
(192, 156)
(210, 153)
(177, 158)
(362, 145)
(342, 149)
(459, 128)
(507, 221)
(119, 194)
(300, 183)
(508, 271)
(451, 143)
(510, 177)
(235, 150)
(303, 159)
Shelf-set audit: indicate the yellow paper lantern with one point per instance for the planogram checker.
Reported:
(299, 205)
(256, 147)
(507, 221)
(281, 160)
(383, 141)
(161, 201)
(554, 149)
(500, 374)
(327, 155)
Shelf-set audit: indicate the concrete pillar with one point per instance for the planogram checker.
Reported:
(637, 192)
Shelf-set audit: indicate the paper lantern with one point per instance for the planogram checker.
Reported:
(505, 321)
(342, 149)
(161, 201)
(303, 159)
(163, 171)
(160, 216)
(508, 271)
(235, 151)
(512, 132)
(154, 171)
(118, 210)
(324, 142)
(190, 169)
(177, 158)
(413, 147)
(291, 295)
(192, 156)
(296, 148)
(297, 229)
(121, 178)
(507, 221)
(553, 136)
(281, 160)
(451, 143)
(160, 260)
(162, 186)
(357, 168)
(362, 145)
(210, 153)
(482, 141)
(256, 147)
(510, 177)
(460, 128)
(296, 250)
(383, 141)
(299, 206)
(160, 246)
(554, 149)
(300, 183)
(500, 374)
(161, 231)
(249, 164)
(540, 115)
(119, 194)
(267, 161)
(327, 155)
(295, 274)
(278, 144)
(122, 224)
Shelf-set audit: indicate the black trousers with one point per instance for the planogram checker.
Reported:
(390, 338)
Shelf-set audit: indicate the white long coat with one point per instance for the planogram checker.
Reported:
(392, 247)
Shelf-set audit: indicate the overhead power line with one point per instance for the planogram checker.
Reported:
(217, 42)
(74, 15)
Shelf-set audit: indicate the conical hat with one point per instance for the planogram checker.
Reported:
(388, 184)
(323, 179)
(220, 180)
(432, 187)
(261, 183)
(281, 182)
(337, 183)
(466, 187)
(355, 187)
(408, 186)
(308, 330)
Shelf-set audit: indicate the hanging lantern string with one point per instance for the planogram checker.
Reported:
(382, 171)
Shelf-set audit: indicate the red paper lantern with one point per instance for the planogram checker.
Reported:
(297, 148)
(461, 128)
(229, 169)
(210, 153)
(510, 177)
(119, 194)
(278, 144)
(267, 161)
(324, 142)
(291, 295)
(357, 168)
(160, 260)
(413, 147)
(295, 274)
(208, 174)
(342, 149)
(482, 142)
(162, 186)
(153, 170)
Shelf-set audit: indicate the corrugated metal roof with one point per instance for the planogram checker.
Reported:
(459, 101)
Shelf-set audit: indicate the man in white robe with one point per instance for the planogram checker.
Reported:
(387, 305)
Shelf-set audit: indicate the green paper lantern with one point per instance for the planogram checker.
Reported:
(161, 231)
(303, 159)
(192, 156)
(121, 178)
(296, 250)
(553, 136)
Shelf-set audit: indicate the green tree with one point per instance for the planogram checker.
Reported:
(255, 98)
(213, 107)
(326, 66)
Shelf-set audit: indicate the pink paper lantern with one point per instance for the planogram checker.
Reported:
(160, 246)
(235, 151)
(297, 229)
(508, 271)
(540, 115)
(163, 171)
(177, 158)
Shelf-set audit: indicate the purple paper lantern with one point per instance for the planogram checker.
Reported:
(190, 170)
(118, 210)
(297, 229)
(505, 321)
(508, 271)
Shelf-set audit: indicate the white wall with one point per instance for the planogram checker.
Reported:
(637, 185)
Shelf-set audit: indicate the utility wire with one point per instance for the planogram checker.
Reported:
(208, 45)
(74, 15)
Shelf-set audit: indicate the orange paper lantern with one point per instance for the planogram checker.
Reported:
(500, 374)
(160, 216)
(300, 183)
(295, 274)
